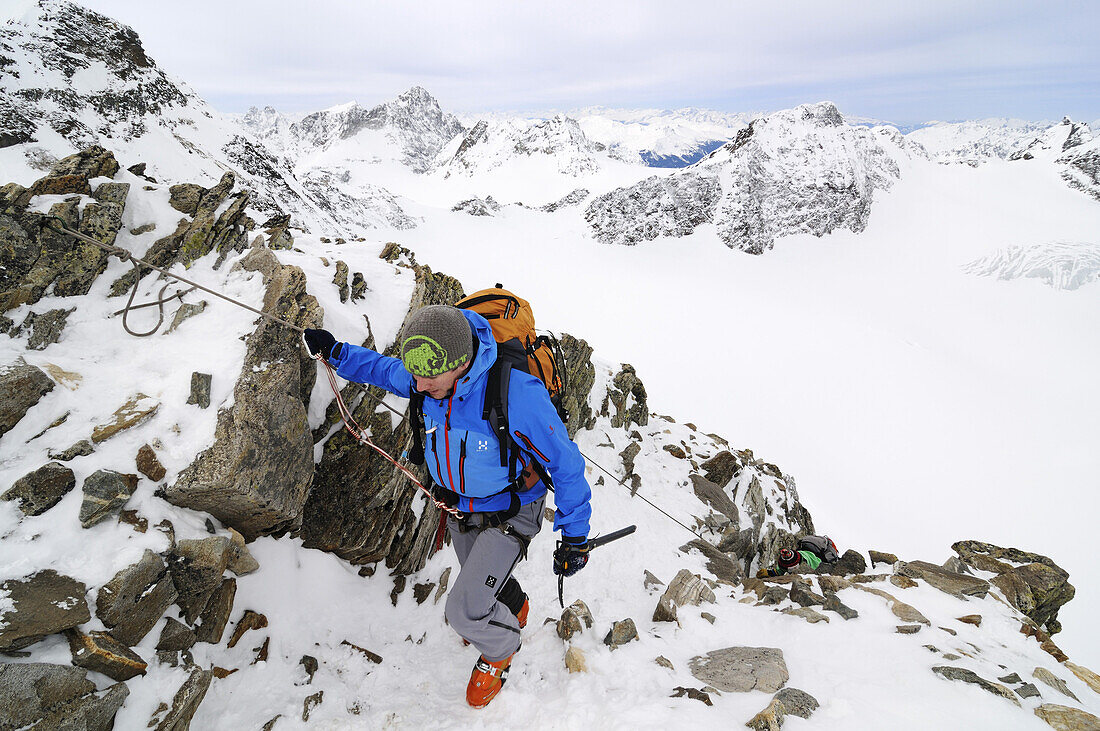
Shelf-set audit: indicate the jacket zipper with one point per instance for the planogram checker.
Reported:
(461, 467)
(447, 443)
(438, 469)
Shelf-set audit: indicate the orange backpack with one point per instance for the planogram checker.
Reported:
(519, 348)
(513, 323)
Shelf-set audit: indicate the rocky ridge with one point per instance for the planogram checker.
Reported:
(70, 77)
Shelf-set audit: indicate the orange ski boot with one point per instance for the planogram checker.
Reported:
(486, 680)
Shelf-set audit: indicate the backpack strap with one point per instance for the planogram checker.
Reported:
(495, 411)
(416, 421)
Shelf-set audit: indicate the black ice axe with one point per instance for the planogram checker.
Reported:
(592, 544)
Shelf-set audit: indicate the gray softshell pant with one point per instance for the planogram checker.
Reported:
(487, 557)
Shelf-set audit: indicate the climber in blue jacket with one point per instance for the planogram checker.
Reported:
(446, 354)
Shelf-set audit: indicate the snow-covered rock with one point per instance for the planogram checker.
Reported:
(1061, 264)
(488, 146)
(798, 171)
(1055, 140)
(70, 78)
(973, 142)
(411, 128)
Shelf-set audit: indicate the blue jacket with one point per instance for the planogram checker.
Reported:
(462, 452)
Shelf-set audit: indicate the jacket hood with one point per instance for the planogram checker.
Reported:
(486, 352)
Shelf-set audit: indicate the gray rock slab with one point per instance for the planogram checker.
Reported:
(42, 604)
(852, 562)
(29, 690)
(718, 563)
(215, 616)
(176, 636)
(1064, 718)
(741, 669)
(105, 492)
(102, 653)
(969, 676)
(186, 701)
(1054, 681)
(807, 613)
(40, 490)
(802, 594)
(1028, 690)
(715, 497)
(21, 387)
(132, 602)
(833, 604)
(955, 584)
(197, 567)
(48, 697)
(45, 328)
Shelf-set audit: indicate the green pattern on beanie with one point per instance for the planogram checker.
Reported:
(437, 339)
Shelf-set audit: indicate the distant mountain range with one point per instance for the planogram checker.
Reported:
(71, 78)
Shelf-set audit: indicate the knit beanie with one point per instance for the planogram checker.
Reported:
(436, 339)
(788, 559)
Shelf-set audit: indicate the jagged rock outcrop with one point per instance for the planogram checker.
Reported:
(1032, 583)
(257, 474)
(361, 206)
(1082, 170)
(34, 258)
(801, 170)
(1060, 138)
(361, 507)
(571, 199)
(478, 206)
(72, 40)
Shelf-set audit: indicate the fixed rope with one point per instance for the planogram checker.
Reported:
(58, 225)
(124, 255)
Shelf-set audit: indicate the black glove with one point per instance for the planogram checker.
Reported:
(770, 571)
(570, 556)
(319, 342)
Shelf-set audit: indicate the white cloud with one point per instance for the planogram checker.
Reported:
(491, 55)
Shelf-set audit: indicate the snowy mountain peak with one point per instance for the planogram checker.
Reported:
(490, 145)
(59, 59)
(801, 170)
(411, 127)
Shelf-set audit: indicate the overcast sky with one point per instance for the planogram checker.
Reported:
(903, 62)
